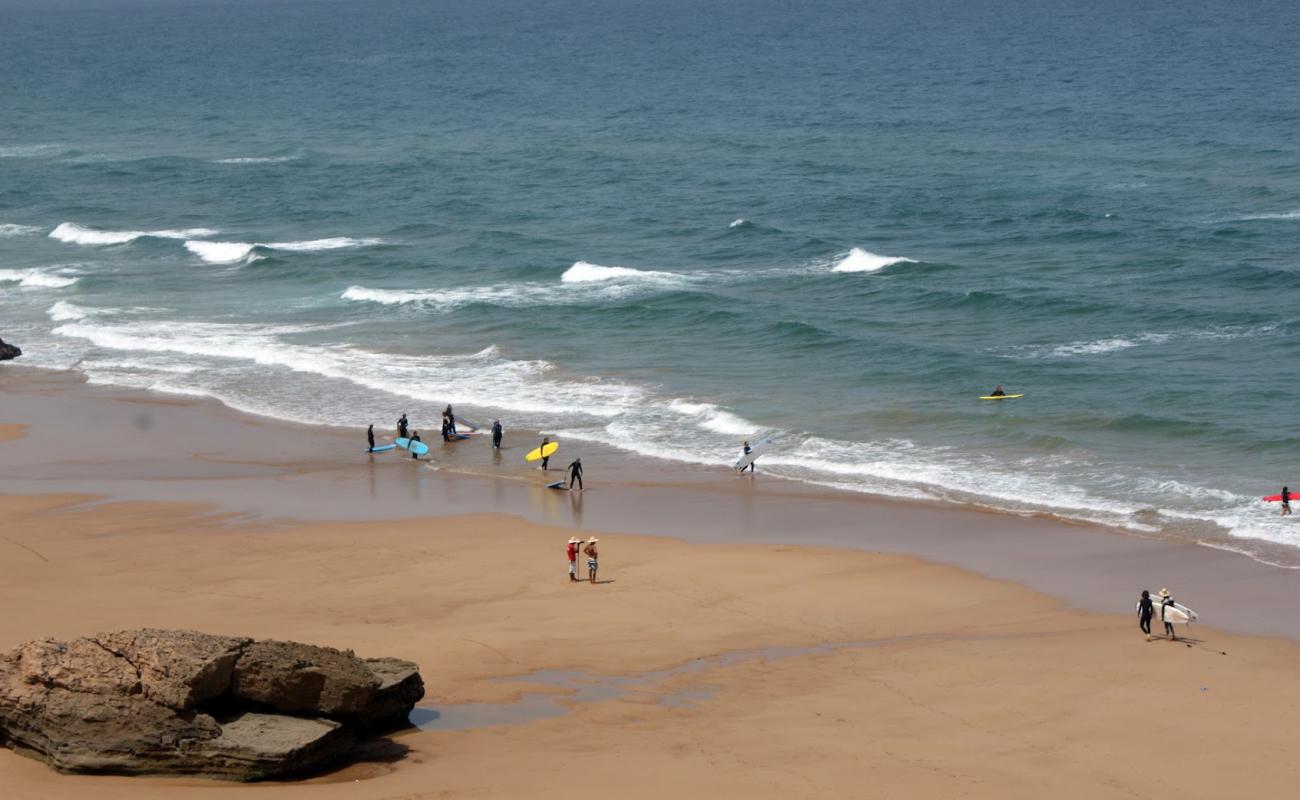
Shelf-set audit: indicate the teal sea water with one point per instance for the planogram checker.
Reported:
(671, 226)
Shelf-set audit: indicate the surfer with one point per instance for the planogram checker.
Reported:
(997, 392)
(451, 419)
(1146, 610)
(545, 458)
(496, 434)
(750, 465)
(592, 558)
(1167, 602)
(401, 426)
(446, 430)
(573, 558)
(370, 437)
(415, 437)
(1286, 502)
(575, 474)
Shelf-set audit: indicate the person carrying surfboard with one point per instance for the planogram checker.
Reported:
(546, 459)
(1286, 502)
(451, 419)
(415, 437)
(1146, 610)
(997, 392)
(750, 465)
(1167, 602)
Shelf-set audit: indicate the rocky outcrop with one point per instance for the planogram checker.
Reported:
(186, 703)
(8, 351)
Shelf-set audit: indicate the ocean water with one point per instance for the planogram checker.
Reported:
(671, 226)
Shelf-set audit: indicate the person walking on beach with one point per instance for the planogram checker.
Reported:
(370, 437)
(575, 473)
(1146, 610)
(415, 437)
(446, 430)
(1166, 602)
(496, 434)
(573, 558)
(545, 458)
(750, 465)
(1286, 502)
(592, 558)
(401, 426)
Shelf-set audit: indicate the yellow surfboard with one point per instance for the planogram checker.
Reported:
(1001, 396)
(538, 453)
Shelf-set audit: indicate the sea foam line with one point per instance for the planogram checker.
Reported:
(230, 252)
(7, 230)
(73, 233)
(36, 278)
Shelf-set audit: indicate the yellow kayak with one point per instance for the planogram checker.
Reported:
(1001, 396)
(538, 453)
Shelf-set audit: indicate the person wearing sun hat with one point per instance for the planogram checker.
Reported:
(573, 558)
(592, 558)
(1167, 600)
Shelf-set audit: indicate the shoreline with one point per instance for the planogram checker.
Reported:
(151, 447)
(766, 645)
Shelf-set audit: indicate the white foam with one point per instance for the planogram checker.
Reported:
(584, 272)
(63, 311)
(73, 233)
(859, 260)
(8, 230)
(714, 418)
(256, 160)
(1284, 215)
(30, 150)
(220, 252)
(736, 223)
(230, 252)
(36, 278)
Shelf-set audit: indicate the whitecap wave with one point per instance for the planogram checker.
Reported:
(584, 272)
(73, 233)
(714, 418)
(256, 160)
(7, 230)
(859, 260)
(738, 223)
(37, 278)
(1113, 344)
(63, 311)
(231, 252)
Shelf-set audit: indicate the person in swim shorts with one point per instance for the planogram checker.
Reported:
(573, 558)
(592, 558)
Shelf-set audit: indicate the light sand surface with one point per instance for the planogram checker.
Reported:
(917, 680)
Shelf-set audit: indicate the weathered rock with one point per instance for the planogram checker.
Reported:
(301, 677)
(8, 351)
(186, 703)
(400, 688)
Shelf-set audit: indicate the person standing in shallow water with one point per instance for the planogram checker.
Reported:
(401, 426)
(1146, 610)
(545, 458)
(750, 465)
(575, 474)
(370, 437)
(496, 434)
(1286, 502)
(415, 437)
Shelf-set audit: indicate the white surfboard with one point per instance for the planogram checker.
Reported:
(755, 450)
(1178, 614)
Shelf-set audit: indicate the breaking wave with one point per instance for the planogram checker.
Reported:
(859, 260)
(73, 233)
(231, 252)
(37, 278)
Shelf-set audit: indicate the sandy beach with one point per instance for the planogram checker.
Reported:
(728, 650)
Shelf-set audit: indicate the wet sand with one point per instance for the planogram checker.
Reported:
(724, 656)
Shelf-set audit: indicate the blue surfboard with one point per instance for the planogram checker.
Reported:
(382, 448)
(419, 448)
(556, 485)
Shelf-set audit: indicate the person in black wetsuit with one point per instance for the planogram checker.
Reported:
(451, 419)
(575, 474)
(401, 426)
(997, 391)
(750, 465)
(545, 458)
(446, 430)
(415, 437)
(497, 431)
(1146, 610)
(1286, 502)
(370, 437)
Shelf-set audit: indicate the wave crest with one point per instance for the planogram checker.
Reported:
(230, 252)
(585, 272)
(859, 260)
(72, 233)
(36, 278)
